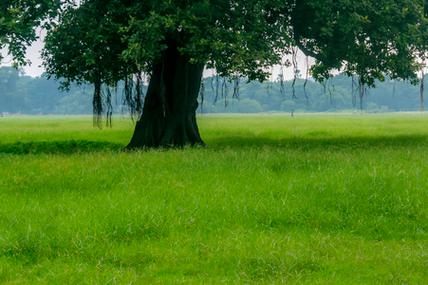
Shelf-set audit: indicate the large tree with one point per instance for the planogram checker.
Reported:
(18, 22)
(107, 41)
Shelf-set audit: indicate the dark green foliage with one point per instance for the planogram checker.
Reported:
(87, 46)
(18, 21)
(119, 38)
(368, 38)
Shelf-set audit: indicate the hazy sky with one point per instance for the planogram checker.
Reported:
(35, 69)
(33, 54)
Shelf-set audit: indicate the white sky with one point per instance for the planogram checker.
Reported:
(36, 69)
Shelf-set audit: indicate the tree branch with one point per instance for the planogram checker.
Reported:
(306, 51)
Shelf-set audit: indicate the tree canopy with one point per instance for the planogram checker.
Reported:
(18, 21)
(369, 38)
(105, 41)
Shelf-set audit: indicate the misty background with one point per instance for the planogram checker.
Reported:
(23, 94)
(28, 91)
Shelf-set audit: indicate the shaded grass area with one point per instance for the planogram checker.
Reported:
(309, 200)
(57, 147)
(67, 147)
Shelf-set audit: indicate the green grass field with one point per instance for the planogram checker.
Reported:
(314, 199)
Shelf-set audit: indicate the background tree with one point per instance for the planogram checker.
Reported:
(103, 42)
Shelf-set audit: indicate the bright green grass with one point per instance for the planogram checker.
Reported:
(272, 199)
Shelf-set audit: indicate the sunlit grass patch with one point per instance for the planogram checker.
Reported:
(271, 199)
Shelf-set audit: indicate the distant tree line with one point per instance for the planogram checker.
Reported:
(21, 94)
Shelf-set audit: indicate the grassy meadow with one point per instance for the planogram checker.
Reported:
(314, 199)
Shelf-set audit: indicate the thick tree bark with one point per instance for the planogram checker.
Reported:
(169, 112)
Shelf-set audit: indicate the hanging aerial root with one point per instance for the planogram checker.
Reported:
(353, 95)
(236, 87)
(202, 95)
(109, 111)
(97, 104)
(421, 91)
(133, 97)
(306, 81)
(138, 95)
(281, 80)
(128, 91)
(331, 90)
(361, 92)
(217, 88)
(224, 92)
(295, 71)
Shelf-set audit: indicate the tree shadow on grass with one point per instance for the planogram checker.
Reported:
(310, 143)
(58, 147)
(245, 141)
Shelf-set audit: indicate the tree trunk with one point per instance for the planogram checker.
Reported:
(169, 112)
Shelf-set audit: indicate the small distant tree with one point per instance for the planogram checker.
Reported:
(107, 41)
(289, 106)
